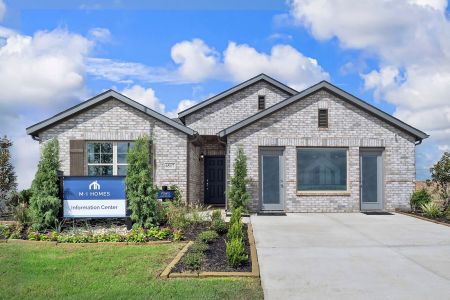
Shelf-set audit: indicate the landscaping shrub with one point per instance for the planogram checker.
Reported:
(8, 182)
(216, 215)
(193, 260)
(219, 226)
(177, 235)
(44, 202)
(431, 210)
(236, 231)
(440, 174)
(5, 231)
(177, 200)
(419, 198)
(238, 194)
(140, 191)
(207, 236)
(137, 235)
(236, 252)
(33, 235)
(236, 215)
(198, 246)
(177, 216)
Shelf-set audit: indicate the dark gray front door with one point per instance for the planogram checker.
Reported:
(271, 178)
(214, 181)
(371, 163)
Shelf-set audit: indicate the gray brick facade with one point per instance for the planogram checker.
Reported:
(234, 108)
(219, 128)
(116, 121)
(349, 127)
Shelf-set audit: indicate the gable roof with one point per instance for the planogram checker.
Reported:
(419, 135)
(235, 89)
(36, 128)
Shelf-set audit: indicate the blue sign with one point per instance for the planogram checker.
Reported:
(94, 196)
(166, 194)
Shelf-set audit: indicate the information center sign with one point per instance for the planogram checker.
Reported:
(94, 197)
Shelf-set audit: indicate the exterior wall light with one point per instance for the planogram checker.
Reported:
(202, 156)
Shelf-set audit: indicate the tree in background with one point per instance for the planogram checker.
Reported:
(139, 185)
(440, 174)
(8, 178)
(238, 194)
(44, 202)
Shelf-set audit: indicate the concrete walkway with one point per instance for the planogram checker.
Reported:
(352, 256)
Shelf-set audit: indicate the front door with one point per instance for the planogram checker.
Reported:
(271, 178)
(371, 163)
(214, 181)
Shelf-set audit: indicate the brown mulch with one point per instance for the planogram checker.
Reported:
(442, 218)
(216, 258)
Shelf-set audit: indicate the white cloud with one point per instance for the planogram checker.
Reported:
(2, 9)
(196, 60)
(100, 34)
(182, 105)
(145, 96)
(410, 39)
(284, 63)
(43, 68)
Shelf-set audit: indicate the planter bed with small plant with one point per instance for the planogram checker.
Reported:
(225, 249)
(424, 207)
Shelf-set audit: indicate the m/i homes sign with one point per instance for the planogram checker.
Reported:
(94, 197)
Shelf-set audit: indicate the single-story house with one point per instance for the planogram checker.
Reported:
(318, 150)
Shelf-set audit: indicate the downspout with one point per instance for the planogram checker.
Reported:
(417, 143)
(36, 138)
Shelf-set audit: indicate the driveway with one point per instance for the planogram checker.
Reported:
(352, 256)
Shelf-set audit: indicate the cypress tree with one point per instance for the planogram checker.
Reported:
(8, 183)
(139, 185)
(238, 194)
(44, 202)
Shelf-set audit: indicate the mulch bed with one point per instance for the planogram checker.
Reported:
(216, 258)
(442, 219)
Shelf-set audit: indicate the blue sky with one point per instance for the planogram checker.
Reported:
(169, 56)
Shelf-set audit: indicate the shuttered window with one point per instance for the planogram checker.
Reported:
(107, 158)
(323, 118)
(261, 102)
(76, 157)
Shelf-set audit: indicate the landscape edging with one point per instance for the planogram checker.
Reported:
(253, 255)
(422, 218)
(54, 243)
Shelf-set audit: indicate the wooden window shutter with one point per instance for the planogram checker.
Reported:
(77, 158)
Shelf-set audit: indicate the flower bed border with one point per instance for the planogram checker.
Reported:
(422, 218)
(167, 273)
(54, 243)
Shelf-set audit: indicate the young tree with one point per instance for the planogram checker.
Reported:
(440, 174)
(238, 194)
(44, 202)
(8, 182)
(139, 185)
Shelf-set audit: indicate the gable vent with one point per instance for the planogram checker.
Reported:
(261, 102)
(323, 118)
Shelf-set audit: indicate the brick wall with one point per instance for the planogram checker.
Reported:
(349, 127)
(115, 121)
(234, 108)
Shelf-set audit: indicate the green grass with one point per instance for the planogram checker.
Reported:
(73, 271)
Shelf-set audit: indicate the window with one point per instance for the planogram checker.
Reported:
(323, 118)
(261, 102)
(107, 158)
(321, 169)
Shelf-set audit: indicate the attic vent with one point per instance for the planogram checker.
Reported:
(261, 102)
(323, 118)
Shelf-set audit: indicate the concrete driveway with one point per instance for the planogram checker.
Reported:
(352, 256)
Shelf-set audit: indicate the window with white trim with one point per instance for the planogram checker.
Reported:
(107, 158)
(321, 169)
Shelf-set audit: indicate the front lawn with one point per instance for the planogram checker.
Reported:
(74, 271)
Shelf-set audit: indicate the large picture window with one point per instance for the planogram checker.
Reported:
(321, 169)
(107, 158)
